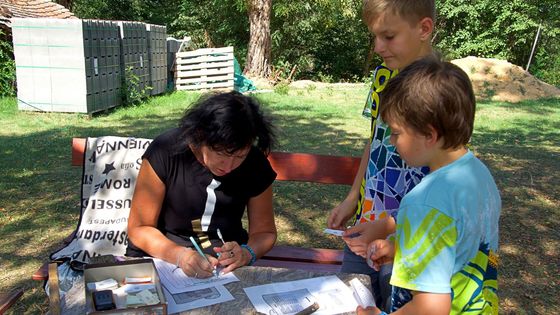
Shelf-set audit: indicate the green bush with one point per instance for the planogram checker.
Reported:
(282, 88)
(133, 91)
(546, 65)
(7, 68)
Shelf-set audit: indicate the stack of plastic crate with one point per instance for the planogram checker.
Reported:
(135, 61)
(102, 63)
(66, 65)
(157, 50)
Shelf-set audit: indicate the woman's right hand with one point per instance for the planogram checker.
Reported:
(194, 265)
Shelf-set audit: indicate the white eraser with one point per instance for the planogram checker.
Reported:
(107, 284)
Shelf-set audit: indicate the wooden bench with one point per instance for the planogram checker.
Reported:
(7, 299)
(303, 167)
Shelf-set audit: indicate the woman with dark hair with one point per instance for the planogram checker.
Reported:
(196, 181)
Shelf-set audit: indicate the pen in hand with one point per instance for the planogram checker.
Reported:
(214, 272)
(221, 237)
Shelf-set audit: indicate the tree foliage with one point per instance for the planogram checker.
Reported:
(126, 10)
(327, 39)
(7, 67)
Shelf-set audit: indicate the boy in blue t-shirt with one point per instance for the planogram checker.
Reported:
(444, 256)
(403, 32)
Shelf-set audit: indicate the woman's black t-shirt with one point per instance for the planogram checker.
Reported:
(192, 192)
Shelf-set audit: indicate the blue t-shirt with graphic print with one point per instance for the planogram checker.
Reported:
(447, 238)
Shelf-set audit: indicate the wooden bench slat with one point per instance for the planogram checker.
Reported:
(304, 167)
(42, 273)
(78, 149)
(8, 299)
(312, 255)
(297, 265)
(314, 168)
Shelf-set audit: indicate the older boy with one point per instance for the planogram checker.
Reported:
(403, 31)
(447, 233)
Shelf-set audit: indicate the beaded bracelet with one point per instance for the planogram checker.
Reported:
(253, 255)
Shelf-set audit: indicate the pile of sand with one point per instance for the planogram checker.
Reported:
(493, 79)
(499, 80)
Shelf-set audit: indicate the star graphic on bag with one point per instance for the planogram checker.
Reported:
(109, 168)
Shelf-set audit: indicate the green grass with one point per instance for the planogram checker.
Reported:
(39, 190)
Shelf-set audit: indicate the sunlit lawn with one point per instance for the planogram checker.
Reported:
(39, 190)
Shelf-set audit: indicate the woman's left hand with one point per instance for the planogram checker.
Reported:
(232, 256)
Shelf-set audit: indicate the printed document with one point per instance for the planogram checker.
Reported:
(291, 297)
(176, 281)
(189, 300)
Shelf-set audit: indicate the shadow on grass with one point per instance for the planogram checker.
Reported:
(39, 195)
(40, 191)
(527, 173)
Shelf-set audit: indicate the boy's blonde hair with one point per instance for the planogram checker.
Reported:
(409, 10)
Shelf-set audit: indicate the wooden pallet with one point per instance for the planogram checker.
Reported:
(203, 69)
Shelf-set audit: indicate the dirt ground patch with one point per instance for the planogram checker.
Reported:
(499, 80)
(492, 79)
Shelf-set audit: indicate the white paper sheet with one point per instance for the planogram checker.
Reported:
(176, 281)
(283, 298)
(185, 301)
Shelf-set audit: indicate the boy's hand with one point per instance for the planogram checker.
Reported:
(341, 214)
(358, 237)
(381, 252)
(370, 310)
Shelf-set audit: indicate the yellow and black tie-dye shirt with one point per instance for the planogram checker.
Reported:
(387, 178)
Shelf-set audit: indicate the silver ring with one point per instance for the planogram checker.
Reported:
(231, 254)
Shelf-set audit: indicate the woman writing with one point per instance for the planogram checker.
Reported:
(198, 179)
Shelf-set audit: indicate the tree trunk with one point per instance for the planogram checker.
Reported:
(369, 58)
(208, 40)
(258, 54)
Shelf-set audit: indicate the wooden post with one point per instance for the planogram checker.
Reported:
(533, 49)
(54, 294)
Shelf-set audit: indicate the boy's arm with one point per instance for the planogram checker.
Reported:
(346, 209)
(423, 303)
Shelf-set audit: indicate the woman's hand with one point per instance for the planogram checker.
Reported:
(232, 256)
(194, 265)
